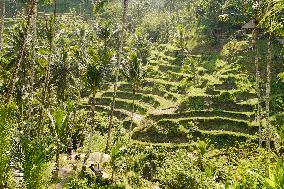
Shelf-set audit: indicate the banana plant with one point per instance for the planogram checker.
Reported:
(59, 121)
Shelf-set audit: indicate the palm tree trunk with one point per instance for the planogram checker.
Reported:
(50, 58)
(34, 42)
(133, 108)
(93, 106)
(267, 102)
(33, 62)
(117, 66)
(2, 16)
(20, 56)
(57, 159)
(44, 96)
(258, 88)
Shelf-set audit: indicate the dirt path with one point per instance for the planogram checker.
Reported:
(163, 111)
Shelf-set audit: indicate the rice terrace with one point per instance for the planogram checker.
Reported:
(141, 94)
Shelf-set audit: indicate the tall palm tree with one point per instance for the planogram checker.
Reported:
(50, 35)
(272, 11)
(20, 55)
(258, 87)
(95, 79)
(33, 44)
(257, 72)
(134, 73)
(267, 96)
(117, 66)
(2, 16)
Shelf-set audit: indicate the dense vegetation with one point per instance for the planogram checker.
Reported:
(141, 94)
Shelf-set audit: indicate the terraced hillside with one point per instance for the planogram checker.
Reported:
(178, 105)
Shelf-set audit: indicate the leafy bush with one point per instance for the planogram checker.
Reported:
(193, 103)
(6, 134)
(181, 171)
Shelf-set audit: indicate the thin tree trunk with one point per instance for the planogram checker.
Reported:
(267, 102)
(34, 43)
(81, 8)
(2, 16)
(117, 66)
(258, 88)
(57, 158)
(20, 56)
(33, 63)
(133, 109)
(93, 107)
(44, 96)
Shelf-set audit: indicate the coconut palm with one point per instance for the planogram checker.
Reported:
(257, 15)
(117, 66)
(2, 16)
(20, 55)
(97, 68)
(270, 22)
(134, 73)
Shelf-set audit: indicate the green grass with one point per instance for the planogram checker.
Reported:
(123, 104)
(120, 114)
(159, 91)
(212, 123)
(177, 76)
(157, 135)
(165, 146)
(221, 102)
(169, 67)
(139, 97)
(223, 138)
(205, 113)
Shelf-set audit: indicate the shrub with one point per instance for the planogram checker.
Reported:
(181, 171)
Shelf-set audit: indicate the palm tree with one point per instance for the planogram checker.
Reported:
(134, 73)
(117, 66)
(20, 55)
(2, 16)
(267, 96)
(258, 87)
(257, 72)
(95, 79)
(269, 20)
(50, 36)
(33, 44)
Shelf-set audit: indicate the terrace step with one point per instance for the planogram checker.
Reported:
(204, 113)
(169, 67)
(139, 97)
(218, 138)
(220, 102)
(167, 85)
(123, 104)
(211, 123)
(120, 114)
(149, 90)
(223, 138)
